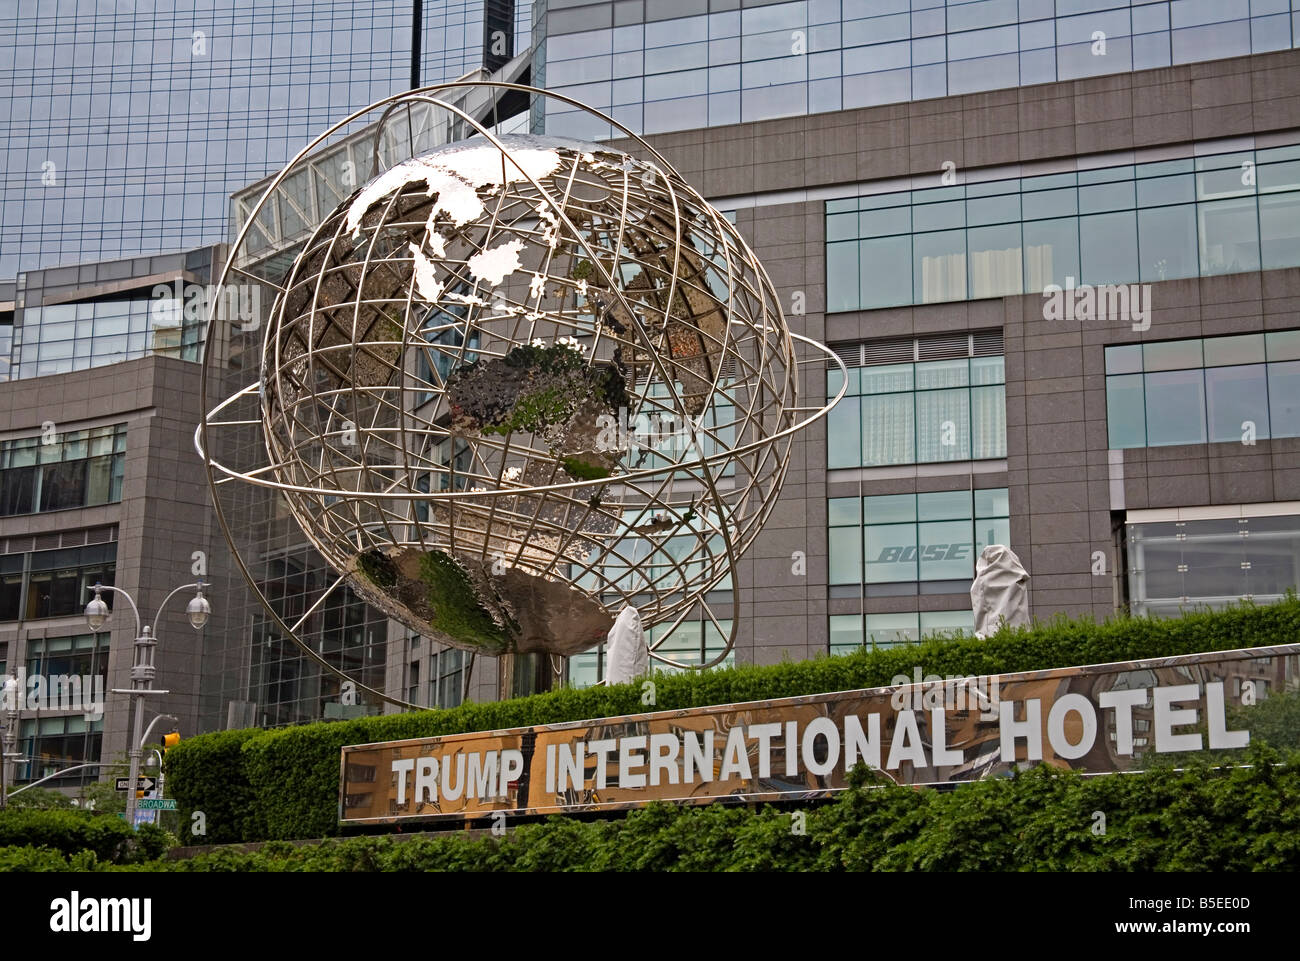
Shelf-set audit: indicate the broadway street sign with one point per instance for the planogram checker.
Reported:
(922, 730)
(156, 804)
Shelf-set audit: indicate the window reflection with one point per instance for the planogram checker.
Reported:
(1146, 223)
(1229, 236)
(694, 642)
(1199, 391)
(927, 412)
(914, 537)
(78, 469)
(1175, 566)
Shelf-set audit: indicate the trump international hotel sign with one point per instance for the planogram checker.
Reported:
(921, 730)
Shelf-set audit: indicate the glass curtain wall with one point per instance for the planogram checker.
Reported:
(916, 413)
(1226, 213)
(900, 538)
(673, 65)
(1214, 390)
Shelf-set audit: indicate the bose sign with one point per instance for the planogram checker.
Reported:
(925, 552)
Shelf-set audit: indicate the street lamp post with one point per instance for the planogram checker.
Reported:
(142, 667)
(11, 695)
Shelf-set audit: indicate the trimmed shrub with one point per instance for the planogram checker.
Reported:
(74, 832)
(207, 774)
(29, 858)
(1198, 819)
(257, 785)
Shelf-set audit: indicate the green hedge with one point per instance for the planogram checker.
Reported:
(283, 784)
(71, 832)
(1199, 819)
(206, 774)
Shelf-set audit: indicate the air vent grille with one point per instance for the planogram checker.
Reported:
(901, 351)
(988, 343)
(943, 347)
(905, 350)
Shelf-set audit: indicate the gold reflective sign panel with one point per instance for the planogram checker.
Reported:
(924, 730)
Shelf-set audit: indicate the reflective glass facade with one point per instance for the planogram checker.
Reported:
(125, 127)
(54, 583)
(6, 344)
(446, 678)
(83, 655)
(1213, 390)
(894, 538)
(462, 35)
(285, 686)
(1218, 214)
(692, 643)
(51, 744)
(672, 65)
(849, 632)
(1179, 565)
(67, 337)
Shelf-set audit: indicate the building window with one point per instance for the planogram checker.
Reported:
(735, 65)
(65, 337)
(1177, 565)
(1211, 390)
(636, 559)
(443, 330)
(912, 402)
(694, 642)
(11, 586)
(6, 344)
(895, 538)
(587, 668)
(849, 632)
(413, 689)
(83, 655)
(447, 678)
(54, 583)
(79, 469)
(345, 630)
(1124, 224)
(52, 744)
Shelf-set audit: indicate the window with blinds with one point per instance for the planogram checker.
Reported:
(918, 400)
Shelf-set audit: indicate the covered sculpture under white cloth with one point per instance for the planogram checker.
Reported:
(626, 654)
(1000, 591)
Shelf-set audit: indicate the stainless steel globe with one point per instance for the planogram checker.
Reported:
(512, 385)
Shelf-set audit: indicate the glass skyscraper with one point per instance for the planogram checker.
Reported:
(125, 127)
(668, 65)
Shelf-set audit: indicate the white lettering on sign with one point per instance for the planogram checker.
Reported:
(1123, 702)
(1168, 717)
(928, 737)
(1066, 705)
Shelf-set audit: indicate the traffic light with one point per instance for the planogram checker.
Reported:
(171, 740)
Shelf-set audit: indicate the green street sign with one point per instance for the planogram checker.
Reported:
(156, 804)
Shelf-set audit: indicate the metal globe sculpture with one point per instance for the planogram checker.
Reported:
(515, 384)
